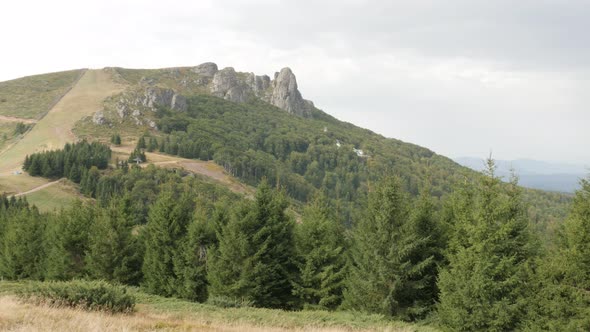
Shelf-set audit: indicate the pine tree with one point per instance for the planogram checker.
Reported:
(190, 264)
(153, 144)
(320, 246)
(113, 252)
(21, 250)
(167, 224)
(387, 270)
(562, 292)
(141, 143)
(255, 257)
(66, 242)
(484, 287)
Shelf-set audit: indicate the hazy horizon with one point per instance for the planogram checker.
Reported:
(462, 78)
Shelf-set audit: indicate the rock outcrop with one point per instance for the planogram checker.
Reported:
(285, 94)
(154, 96)
(281, 92)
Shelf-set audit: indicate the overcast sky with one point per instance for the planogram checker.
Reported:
(462, 78)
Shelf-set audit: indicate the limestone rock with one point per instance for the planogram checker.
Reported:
(207, 69)
(154, 96)
(285, 94)
(227, 86)
(99, 118)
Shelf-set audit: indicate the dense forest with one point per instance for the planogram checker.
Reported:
(473, 261)
(255, 140)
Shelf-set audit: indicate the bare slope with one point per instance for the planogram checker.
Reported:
(52, 132)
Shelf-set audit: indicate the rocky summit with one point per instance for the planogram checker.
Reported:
(281, 92)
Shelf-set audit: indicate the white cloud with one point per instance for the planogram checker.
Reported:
(460, 77)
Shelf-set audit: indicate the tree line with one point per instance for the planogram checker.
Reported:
(474, 265)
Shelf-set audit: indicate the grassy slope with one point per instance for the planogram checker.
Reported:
(31, 97)
(55, 196)
(52, 132)
(158, 313)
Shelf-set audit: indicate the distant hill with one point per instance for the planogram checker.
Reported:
(251, 126)
(536, 174)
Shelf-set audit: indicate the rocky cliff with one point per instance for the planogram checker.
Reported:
(281, 92)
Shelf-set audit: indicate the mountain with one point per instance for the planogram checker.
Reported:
(235, 128)
(536, 174)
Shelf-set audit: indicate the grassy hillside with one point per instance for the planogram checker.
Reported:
(155, 313)
(31, 97)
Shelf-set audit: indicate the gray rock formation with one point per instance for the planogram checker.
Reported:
(285, 94)
(207, 69)
(99, 118)
(281, 92)
(154, 96)
(226, 85)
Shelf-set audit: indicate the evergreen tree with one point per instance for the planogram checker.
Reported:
(484, 287)
(21, 246)
(254, 260)
(113, 252)
(141, 143)
(66, 242)
(152, 145)
(167, 224)
(190, 264)
(320, 246)
(562, 292)
(388, 271)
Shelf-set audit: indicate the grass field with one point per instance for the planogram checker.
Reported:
(31, 97)
(55, 129)
(154, 313)
(54, 197)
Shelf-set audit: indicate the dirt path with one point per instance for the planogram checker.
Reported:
(37, 188)
(4, 118)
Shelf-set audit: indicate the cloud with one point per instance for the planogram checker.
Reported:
(461, 77)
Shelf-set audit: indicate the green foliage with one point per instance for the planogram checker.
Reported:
(320, 246)
(391, 271)
(21, 235)
(116, 139)
(486, 284)
(68, 161)
(137, 156)
(562, 293)
(167, 224)
(67, 242)
(228, 302)
(255, 256)
(114, 254)
(87, 295)
(21, 128)
(190, 263)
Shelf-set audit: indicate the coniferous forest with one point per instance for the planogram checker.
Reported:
(471, 262)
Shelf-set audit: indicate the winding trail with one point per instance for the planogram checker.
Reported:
(4, 118)
(41, 187)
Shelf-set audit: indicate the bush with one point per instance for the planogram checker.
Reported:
(229, 302)
(87, 295)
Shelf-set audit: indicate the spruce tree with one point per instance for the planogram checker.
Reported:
(484, 287)
(167, 224)
(562, 292)
(387, 271)
(255, 257)
(67, 242)
(21, 249)
(113, 253)
(320, 246)
(190, 264)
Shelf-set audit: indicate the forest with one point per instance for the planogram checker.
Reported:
(473, 261)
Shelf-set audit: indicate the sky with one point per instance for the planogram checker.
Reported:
(460, 77)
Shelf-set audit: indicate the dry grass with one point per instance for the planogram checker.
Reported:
(55, 129)
(31, 97)
(18, 316)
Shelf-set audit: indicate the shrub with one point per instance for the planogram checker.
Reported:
(87, 295)
(229, 302)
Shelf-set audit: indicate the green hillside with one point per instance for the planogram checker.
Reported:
(31, 97)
